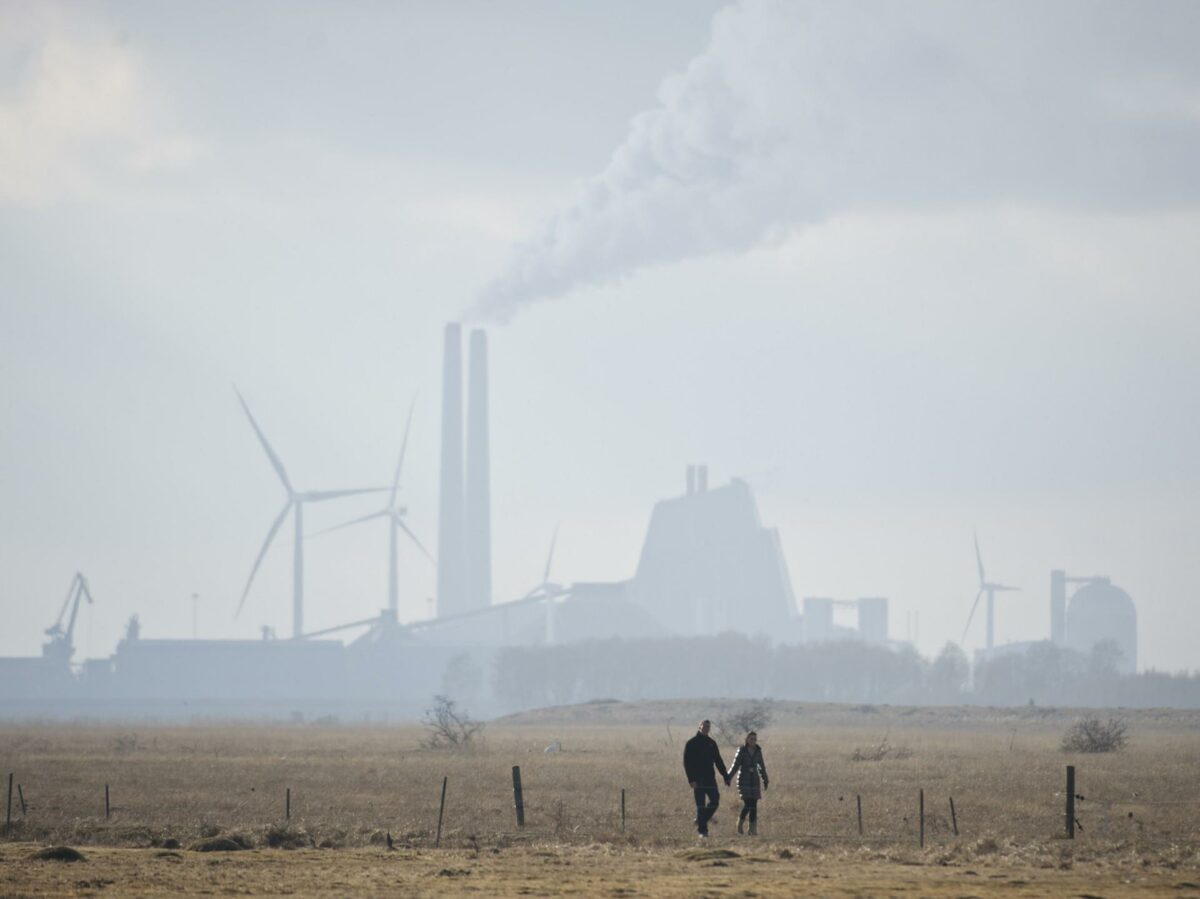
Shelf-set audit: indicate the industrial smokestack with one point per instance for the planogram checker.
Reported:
(702, 479)
(450, 592)
(478, 532)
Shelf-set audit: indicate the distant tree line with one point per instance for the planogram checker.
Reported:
(732, 665)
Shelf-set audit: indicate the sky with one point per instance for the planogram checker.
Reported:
(911, 270)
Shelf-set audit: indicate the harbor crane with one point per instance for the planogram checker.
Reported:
(61, 647)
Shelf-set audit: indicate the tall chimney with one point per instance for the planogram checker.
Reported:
(1058, 607)
(450, 507)
(478, 533)
(702, 479)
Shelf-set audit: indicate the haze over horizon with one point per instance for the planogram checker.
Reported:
(909, 270)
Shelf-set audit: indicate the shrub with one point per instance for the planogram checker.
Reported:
(880, 751)
(448, 727)
(1094, 735)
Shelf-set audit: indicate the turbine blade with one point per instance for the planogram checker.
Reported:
(345, 524)
(403, 448)
(83, 588)
(550, 557)
(978, 558)
(276, 462)
(275, 525)
(319, 496)
(978, 596)
(414, 539)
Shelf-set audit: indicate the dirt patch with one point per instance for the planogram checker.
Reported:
(708, 855)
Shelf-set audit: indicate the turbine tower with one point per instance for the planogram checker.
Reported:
(991, 589)
(395, 513)
(295, 504)
(548, 591)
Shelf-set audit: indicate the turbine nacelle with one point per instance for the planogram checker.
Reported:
(395, 513)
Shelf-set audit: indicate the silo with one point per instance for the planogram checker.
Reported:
(873, 619)
(818, 619)
(1058, 607)
(1101, 611)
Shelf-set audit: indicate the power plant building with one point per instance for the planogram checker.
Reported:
(708, 565)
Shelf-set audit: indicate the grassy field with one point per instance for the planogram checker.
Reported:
(173, 788)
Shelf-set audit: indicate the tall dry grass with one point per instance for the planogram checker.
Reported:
(351, 785)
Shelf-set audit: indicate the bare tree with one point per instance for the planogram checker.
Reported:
(734, 724)
(448, 727)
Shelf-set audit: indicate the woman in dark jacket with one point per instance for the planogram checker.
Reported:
(751, 775)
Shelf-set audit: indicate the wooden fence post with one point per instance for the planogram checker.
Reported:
(518, 798)
(859, 799)
(622, 811)
(8, 813)
(921, 801)
(953, 816)
(21, 794)
(287, 804)
(1070, 802)
(441, 810)
(106, 802)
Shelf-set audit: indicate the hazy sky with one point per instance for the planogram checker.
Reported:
(910, 269)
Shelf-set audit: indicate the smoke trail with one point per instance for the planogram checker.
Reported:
(798, 111)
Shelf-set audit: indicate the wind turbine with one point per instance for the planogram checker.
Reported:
(991, 590)
(394, 513)
(548, 591)
(295, 504)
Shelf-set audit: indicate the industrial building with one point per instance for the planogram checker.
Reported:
(707, 566)
(1098, 612)
(871, 620)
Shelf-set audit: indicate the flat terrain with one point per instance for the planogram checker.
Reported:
(175, 789)
(593, 870)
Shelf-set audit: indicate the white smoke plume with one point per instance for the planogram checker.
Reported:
(799, 111)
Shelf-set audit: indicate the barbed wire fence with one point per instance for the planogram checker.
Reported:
(537, 813)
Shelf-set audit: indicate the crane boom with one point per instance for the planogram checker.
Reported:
(60, 646)
(56, 629)
(81, 592)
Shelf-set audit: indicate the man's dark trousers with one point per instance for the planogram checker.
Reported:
(707, 800)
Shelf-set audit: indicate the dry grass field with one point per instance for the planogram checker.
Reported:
(174, 789)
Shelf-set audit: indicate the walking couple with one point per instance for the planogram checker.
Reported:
(702, 761)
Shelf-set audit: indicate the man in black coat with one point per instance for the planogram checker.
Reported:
(700, 757)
